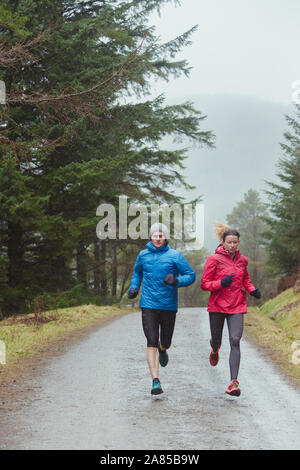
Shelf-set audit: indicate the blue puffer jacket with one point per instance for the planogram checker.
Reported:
(151, 266)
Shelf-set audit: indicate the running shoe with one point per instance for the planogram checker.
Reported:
(156, 387)
(214, 357)
(163, 357)
(234, 389)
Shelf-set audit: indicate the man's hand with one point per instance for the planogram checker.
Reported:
(133, 293)
(170, 279)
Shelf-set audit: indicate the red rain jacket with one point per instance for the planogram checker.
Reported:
(232, 299)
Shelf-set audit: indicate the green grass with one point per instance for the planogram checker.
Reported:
(275, 325)
(26, 335)
(285, 311)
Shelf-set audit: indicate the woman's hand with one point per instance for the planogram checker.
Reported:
(256, 293)
(226, 282)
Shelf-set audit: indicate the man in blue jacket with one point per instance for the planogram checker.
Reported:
(162, 270)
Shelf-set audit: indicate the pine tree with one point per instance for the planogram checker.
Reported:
(75, 144)
(248, 216)
(284, 227)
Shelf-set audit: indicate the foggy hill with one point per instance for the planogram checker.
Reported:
(248, 134)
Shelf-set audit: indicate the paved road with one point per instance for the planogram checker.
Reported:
(97, 396)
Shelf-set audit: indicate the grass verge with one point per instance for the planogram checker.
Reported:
(275, 326)
(25, 336)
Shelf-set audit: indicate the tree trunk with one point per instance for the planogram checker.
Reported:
(126, 276)
(15, 254)
(97, 266)
(81, 264)
(103, 278)
(114, 268)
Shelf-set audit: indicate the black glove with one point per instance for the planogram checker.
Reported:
(170, 279)
(256, 293)
(133, 293)
(227, 280)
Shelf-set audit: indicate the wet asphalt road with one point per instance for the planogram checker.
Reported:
(97, 396)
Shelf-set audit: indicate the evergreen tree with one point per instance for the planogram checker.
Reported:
(68, 142)
(248, 216)
(284, 228)
(193, 296)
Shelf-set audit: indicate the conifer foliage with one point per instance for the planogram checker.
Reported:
(76, 131)
(284, 226)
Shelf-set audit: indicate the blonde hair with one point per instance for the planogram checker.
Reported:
(222, 230)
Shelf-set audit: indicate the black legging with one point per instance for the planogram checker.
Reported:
(235, 323)
(158, 323)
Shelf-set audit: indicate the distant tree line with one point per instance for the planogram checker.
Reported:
(284, 224)
(270, 232)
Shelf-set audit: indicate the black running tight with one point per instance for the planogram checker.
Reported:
(158, 326)
(235, 323)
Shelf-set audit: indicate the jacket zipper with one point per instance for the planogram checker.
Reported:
(231, 292)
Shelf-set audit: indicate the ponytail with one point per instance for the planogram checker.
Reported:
(222, 231)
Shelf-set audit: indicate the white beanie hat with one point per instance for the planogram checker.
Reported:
(159, 227)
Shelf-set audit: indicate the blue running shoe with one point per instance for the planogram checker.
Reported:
(156, 387)
(163, 357)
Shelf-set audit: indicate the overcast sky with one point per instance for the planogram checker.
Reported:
(241, 46)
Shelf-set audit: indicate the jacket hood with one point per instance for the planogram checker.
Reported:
(221, 251)
(151, 247)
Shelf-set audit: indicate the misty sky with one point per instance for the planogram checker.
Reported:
(244, 58)
(241, 46)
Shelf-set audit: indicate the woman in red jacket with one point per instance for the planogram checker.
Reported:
(226, 277)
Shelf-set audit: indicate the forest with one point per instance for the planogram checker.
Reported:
(78, 129)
